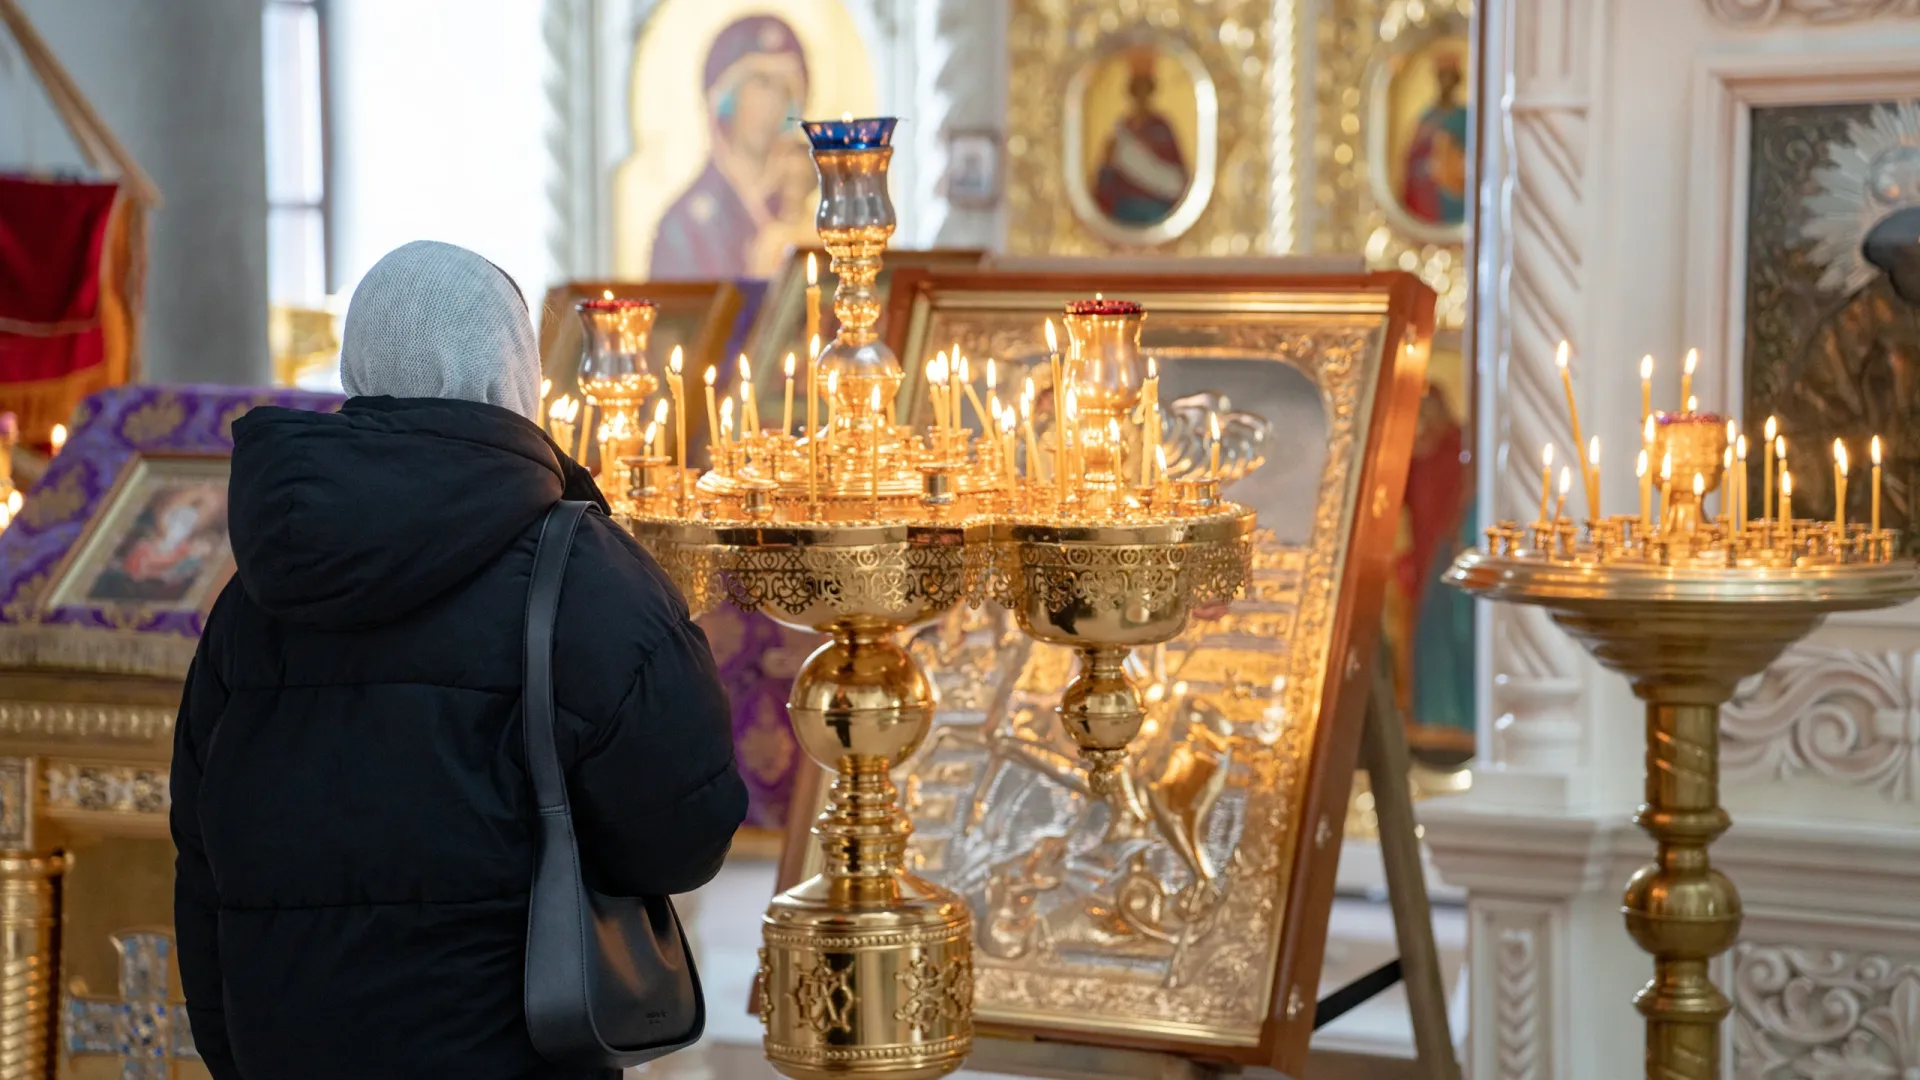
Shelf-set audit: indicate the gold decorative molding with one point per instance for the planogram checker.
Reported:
(117, 651)
(151, 724)
(91, 787)
(1049, 41)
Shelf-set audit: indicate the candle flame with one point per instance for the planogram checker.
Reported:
(58, 437)
(1693, 403)
(937, 369)
(1160, 458)
(992, 380)
(789, 365)
(546, 388)
(1666, 467)
(966, 373)
(1699, 485)
(710, 375)
(1693, 360)
(1726, 459)
(1786, 483)
(1875, 451)
(660, 412)
(1740, 448)
(1153, 368)
(1113, 432)
(1027, 394)
(813, 347)
(1566, 480)
(726, 416)
(652, 430)
(1732, 431)
(846, 118)
(746, 369)
(1593, 450)
(1840, 456)
(1646, 367)
(573, 410)
(1640, 467)
(14, 502)
(1546, 456)
(1780, 447)
(1773, 428)
(1213, 424)
(1562, 354)
(673, 362)
(1026, 403)
(606, 294)
(1006, 420)
(1647, 434)
(1053, 343)
(833, 383)
(813, 270)
(873, 401)
(558, 410)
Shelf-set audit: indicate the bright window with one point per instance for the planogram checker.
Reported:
(299, 270)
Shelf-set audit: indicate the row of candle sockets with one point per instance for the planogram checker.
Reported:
(951, 390)
(1735, 506)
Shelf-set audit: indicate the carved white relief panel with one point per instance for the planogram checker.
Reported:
(1766, 12)
(1520, 992)
(1824, 1014)
(1843, 715)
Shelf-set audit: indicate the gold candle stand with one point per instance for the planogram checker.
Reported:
(1686, 612)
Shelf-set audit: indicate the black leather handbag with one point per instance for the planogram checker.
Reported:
(610, 981)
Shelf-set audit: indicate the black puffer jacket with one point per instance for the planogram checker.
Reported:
(350, 801)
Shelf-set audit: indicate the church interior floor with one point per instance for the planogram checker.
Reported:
(1373, 1041)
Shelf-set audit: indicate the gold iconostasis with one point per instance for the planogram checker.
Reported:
(1148, 129)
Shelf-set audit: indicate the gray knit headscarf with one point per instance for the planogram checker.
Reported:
(435, 320)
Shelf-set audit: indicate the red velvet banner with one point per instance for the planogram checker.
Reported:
(53, 331)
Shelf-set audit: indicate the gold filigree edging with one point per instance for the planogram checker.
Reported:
(88, 722)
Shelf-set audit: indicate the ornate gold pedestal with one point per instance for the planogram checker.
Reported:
(1685, 635)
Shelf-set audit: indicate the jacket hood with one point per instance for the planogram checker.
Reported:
(358, 518)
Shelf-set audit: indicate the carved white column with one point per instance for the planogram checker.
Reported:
(1532, 232)
(964, 58)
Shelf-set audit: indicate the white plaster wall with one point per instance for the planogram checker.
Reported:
(439, 113)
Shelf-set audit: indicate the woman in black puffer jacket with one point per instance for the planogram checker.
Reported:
(350, 800)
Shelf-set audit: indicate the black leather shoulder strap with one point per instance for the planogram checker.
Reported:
(543, 610)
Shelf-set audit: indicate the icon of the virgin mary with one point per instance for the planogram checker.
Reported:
(1435, 190)
(750, 201)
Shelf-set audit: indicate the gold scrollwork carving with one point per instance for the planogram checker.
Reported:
(88, 722)
(824, 993)
(935, 992)
(104, 788)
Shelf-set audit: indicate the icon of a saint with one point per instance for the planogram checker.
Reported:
(1142, 174)
(1435, 189)
(750, 201)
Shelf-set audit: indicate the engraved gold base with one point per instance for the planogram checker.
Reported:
(1684, 637)
(27, 921)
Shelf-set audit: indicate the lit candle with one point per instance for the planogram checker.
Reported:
(1693, 404)
(58, 437)
(1149, 420)
(1740, 510)
(957, 373)
(749, 408)
(1546, 482)
(1699, 491)
(813, 426)
(1160, 462)
(1646, 388)
(660, 412)
(1786, 504)
(1780, 456)
(546, 391)
(1645, 477)
(937, 389)
(1686, 378)
(713, 413)
(1593, 478)
(677, 388)
(1059, 422)
(653, 431)
(1875, 452)
(1727, 497)
(1840, 491)
(556, 424)
(726, 423)
(1561, 357)
(1566, 485)
(1213, 451)
(786, 410)
(1766, 470)
(813, 303)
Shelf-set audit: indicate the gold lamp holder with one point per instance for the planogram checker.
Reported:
(1685, 609)
(860, 529)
